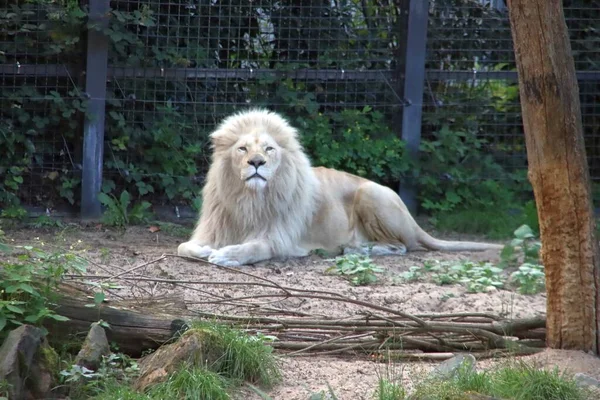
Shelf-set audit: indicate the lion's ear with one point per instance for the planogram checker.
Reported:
(222, 139)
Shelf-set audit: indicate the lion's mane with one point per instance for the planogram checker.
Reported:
(233, 214)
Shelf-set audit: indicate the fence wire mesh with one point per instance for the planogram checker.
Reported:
(177, 67)
(471, 79)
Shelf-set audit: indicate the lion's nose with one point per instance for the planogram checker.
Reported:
(257, 161)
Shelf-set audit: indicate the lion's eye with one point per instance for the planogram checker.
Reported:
(243, 149)
(269, 148)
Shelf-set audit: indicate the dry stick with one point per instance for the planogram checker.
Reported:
(475, 327)
(330, 295)
(229, 269)
(339, 338)
(343, 299)
(130, 270)
(439, 326)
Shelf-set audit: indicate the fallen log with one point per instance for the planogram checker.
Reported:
(132, 330)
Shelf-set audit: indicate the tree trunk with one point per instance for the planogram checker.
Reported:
(558, 171)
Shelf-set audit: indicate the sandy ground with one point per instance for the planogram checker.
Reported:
(351, 378)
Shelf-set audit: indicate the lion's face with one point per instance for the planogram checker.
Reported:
(256, 157)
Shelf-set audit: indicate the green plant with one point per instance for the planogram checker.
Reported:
(115, 370)
(524, 248)
(174, 229)
(329, 394)
(245, 357)
(44, 221)
(523, 252)
(356, 141)
(529, 278)
(118, 212)
(30, 280)
(388, 390)
(511, 380)
(359, 270)
(476, 277)
(14, 212)
(414, 274)
(193, 383)
(488, 222)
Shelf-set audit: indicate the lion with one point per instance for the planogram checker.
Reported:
(262, 199)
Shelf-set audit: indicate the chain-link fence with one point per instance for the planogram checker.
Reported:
(175, 68)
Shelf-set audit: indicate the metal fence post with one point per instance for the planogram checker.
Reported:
(93, 129)
(414, 82)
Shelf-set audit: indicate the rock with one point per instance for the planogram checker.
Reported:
(584, 380)
(450, 367)
(94, 347)
(190, 348)
(28, 364)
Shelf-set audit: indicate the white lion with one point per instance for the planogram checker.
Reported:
(262, 199)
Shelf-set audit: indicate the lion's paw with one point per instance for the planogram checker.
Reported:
(226, 257)
(191, 249)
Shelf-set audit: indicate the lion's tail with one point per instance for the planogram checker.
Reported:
(431, 243)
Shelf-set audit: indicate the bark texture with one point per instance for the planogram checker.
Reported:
(558, 171)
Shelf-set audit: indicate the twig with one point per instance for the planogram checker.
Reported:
(134, 268)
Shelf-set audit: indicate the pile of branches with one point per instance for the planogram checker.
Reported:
(375, 330)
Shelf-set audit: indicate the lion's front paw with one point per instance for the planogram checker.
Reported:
(228, 256)
(191, 249)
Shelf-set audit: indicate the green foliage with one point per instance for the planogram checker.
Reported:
(511, 380)
(118, 212)
(388, 390)
(487, 222)
(357, 141)
(14, 212)
(45, 221)
(521, 254)
(524, 248)
(357, 269)
(476, 277)
(245, 357)
(116, 370)
(529, 278)
(30, 280)
(193, 383)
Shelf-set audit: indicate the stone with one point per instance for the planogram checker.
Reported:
(450, 367)
(189, 349)
(584, 380)
(28, 364)
(94, 348)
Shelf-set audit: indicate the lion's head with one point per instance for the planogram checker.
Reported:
(260, 180)
(256, 143)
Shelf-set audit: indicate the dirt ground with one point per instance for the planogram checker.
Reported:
(113, 251)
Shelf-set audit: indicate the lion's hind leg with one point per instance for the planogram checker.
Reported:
(384, 219)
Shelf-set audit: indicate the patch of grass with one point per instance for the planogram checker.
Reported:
(527, 382)
(192, 383)
(358, 270)
(245, 357)
(492, 224)
(120, 391)
(513, 380)
(174, 230)
(389, 390)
